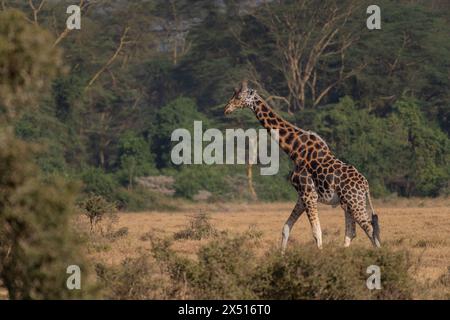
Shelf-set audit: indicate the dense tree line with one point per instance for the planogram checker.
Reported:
(138, 70)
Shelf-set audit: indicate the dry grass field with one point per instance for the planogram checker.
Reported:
(420, 226)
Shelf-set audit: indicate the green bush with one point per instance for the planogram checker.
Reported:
(37, 243)
(191, 179)
(333, 273)
(222, 270)
(276, 187)
(97, 182)
(229, 268)
(135, 158)
(139, 199)
(135, 278)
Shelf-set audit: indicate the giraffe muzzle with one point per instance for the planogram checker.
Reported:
(228, 110)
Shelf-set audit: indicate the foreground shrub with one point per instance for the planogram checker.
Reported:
(135, 278)
(222, 270)
(333, 273)
(37, 243)
(140, 199)
(229, 268)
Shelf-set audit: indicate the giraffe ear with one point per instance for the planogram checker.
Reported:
(244, 85)
(236, 90)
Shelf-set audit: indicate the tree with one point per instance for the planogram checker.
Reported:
(135, 157)
(21, 78)
(180, 113)
(410, 54)
(308, 41)
(36, 241)
(428, 149)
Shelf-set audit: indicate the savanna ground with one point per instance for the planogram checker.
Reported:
(420, 227)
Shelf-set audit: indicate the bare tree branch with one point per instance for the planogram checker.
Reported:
(305, 35)
(111, 60)
(35, 9)
(66, 31)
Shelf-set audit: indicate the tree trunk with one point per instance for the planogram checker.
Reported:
(251, 189)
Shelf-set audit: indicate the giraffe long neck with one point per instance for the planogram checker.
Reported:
(271, 121)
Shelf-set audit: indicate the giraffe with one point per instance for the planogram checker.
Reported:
(318, 176)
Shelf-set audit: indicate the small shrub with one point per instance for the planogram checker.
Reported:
(430, 243)
(199, 227)
(222, 270)
(445, 279)
(135, 278)
(114, 235)
(95, 207)
(147, 236)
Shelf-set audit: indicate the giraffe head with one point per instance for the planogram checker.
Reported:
(242, 98)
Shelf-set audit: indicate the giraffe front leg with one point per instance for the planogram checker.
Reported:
(296, 213)
(350, 229)
(313, 217)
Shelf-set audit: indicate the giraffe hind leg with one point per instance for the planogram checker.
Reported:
(359, 214)
(376, 230)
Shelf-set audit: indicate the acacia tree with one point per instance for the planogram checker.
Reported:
(308, 40)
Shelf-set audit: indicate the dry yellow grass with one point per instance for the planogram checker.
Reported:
(421, 226)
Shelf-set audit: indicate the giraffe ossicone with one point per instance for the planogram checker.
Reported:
(318, 176)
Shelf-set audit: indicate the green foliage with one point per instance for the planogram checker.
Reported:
(333, 274)
(96, 181)
(27, 63)
(371, 143)
(37, 243)
(180, 113)
(428, 149)
(362, 139)
(136, 278)
(228, 268)
(276, 187)
(191, 179)
(140, 199)
(118, 127)
(222, 270)
(214, 65)
(409, 54)
(135, 158)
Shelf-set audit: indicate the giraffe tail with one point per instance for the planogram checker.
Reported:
(375, 224)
